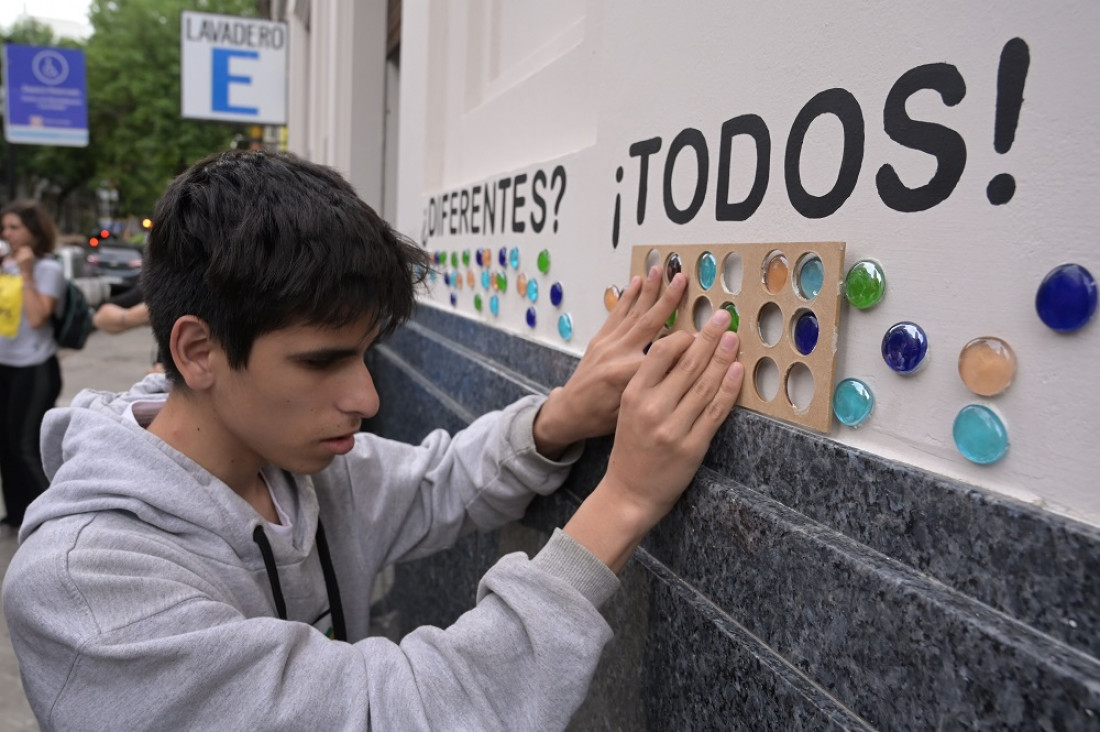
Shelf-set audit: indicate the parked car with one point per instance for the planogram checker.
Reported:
(74, 264)
(120, 265)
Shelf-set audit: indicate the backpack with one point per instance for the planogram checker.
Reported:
(72, 326)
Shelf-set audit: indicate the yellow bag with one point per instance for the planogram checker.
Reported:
(11, 304)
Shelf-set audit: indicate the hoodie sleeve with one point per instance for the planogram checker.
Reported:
(418, 499)
(118, 630)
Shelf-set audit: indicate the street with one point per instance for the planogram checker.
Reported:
(108, 362)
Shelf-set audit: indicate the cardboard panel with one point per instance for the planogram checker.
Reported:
(761, 280)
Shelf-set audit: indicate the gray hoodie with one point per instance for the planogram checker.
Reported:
(140, 599)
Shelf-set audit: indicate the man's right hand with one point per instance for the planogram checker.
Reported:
(683, 391)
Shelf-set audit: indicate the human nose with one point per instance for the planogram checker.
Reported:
(361, 398)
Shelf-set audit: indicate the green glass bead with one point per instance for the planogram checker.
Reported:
(502, 282)
(735, 317)
(865, 284)
(544, 261)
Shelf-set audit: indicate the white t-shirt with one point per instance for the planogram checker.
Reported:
(32, 346)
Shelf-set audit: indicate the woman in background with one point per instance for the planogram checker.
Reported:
(30, 376)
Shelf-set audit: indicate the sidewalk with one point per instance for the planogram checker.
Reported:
(109, 362)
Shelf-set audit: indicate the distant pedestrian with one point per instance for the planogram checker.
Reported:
(31, 284)
(123, 312)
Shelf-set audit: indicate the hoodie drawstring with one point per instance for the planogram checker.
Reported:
(339, 631)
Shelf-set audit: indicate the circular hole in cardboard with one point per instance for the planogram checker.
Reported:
(769, 324)
(701, 310)
(765, 379)
(652, 259)
(800, 387)
(732, 273)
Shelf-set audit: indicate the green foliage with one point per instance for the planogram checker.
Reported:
(134, 96)
(138, 141)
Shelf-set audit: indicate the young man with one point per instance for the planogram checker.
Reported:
(206, 533)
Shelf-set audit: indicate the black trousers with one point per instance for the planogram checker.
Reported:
(26, 393)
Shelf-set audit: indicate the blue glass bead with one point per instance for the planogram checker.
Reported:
(494, 305)
(1066, 299)
(502, 257)
(565, 326)
(513, 257)
(980, 434)
(533, 290)
(454, 300)
(531, 316)
(904, 347)
(556, 294)
(852, 402)
(811, 277)
(432, 275)
(478, 256)
(806, 333)
(485, 280)
(708, 270)
(447, 278)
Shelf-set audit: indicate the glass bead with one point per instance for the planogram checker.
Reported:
(852, 402)
(1066, 299)
(708, 270)
(432, 275)
(544, 261)
(987, 366)
(611, 297)
(521, 283)
(454, 260)
(980, 434)
(673, 266)
(502, 256)
(477, 303)
(556, 294)
(440, 257)
(513, 257)
(671, 322)
(531, 316)
(502, 282)
(465, 257)
(447, 279)
(811, 276)
(487, 257)
(565, 326)
(865, 284)
(904, 347)
(485, 277)
(456, 279)
(470, 279)
(735, 317)
(806, 331)
(454, 300)
(775, 272)
(479, 258)
(494, 305)
(533, 290)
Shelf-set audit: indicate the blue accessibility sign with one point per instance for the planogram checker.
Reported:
(47, 96)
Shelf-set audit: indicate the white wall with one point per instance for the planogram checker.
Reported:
(493, 89)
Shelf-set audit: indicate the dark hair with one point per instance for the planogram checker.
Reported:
(37, 220)
(251, 242)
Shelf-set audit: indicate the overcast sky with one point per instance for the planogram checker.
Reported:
(72, 10)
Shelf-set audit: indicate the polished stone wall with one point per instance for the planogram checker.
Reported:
(798, 585)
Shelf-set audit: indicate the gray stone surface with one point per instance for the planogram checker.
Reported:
(798, 585)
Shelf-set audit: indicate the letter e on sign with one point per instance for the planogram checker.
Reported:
(233, 69)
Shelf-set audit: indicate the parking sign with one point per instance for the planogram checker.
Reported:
(233, 69)
(47, 98)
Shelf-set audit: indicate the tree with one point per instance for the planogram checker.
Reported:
(141, 141)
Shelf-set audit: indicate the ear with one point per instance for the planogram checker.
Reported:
(194, 352)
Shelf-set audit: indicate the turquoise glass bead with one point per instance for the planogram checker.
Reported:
(852, 402)
(565, 326)
(980, 434)
(708, 270)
